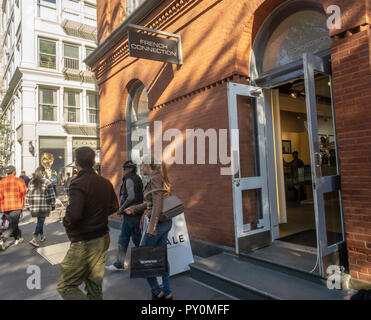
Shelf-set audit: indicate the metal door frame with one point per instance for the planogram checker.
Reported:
(239, 183)
(313, 64)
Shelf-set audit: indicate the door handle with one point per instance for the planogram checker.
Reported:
(318, 164)
(318, 159)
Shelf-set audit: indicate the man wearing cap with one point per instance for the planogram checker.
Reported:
(12, 195)
(131, 193)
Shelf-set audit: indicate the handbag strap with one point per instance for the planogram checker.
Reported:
(154, 190)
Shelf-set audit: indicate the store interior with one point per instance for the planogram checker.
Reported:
(297, 213)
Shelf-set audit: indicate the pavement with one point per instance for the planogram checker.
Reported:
(16, 260)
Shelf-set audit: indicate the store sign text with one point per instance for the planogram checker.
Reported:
(152, 48)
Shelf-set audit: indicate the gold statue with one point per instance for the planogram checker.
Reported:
(47, 160)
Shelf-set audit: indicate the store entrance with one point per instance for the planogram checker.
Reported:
(297, 212)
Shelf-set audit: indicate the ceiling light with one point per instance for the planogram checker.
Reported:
(294, 95)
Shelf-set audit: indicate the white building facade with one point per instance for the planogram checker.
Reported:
(51, 98)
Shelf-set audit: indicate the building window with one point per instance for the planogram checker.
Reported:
(89, 9)
(289, 33)
(48, 104)
(88, 52)
(71, 57)
(49, 1)
(92, 107)
(48, 54)
(71, 105)
(138, 140)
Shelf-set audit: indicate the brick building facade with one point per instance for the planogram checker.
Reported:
(219, 42)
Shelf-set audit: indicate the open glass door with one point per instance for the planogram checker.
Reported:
(324, 163)
(249, 171)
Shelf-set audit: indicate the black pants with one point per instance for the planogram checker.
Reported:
(13, 230)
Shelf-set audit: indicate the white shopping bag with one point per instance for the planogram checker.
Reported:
(178, 245)
(179, 249)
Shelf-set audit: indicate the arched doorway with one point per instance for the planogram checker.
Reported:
(289, 105)
(137, 124)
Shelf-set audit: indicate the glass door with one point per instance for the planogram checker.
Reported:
(249, 171)
(324, 162)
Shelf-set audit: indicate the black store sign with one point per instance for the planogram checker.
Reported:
(152, 48)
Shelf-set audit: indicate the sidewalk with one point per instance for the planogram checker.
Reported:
(116, 285)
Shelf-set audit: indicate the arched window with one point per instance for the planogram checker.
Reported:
(295, 28)
(138, 140)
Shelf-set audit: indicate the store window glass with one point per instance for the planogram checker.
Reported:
(301, 32)
(71, 106)
(52, 156)
(48, 108)
(137, 125)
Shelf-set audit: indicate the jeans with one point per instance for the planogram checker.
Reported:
(84, 262)
(39, 226)
(13, 230)
(130, 228)
(159, 240)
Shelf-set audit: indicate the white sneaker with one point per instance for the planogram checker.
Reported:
(18, 241)
(113, 268)
(2, 245)
(34, 243)
(42, 238)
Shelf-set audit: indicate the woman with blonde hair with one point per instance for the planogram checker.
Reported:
(157, 188)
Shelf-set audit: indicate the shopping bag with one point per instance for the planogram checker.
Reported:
(148, 262)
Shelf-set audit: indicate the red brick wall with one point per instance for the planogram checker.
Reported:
(110, 13)
(207, 195)
(352, 91)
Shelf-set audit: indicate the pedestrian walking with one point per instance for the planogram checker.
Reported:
(25, 178)
(91, 200)
(12, 195)
(157, 232)
(131, 193)
(68, 177)
(40, 201)
(54, 181)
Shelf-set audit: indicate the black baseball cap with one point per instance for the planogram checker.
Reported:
(129, 164)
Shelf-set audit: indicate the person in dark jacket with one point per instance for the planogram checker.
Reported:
(25, 178)
(131, 193)
(91, 200)
(69, 179)
(40, 201)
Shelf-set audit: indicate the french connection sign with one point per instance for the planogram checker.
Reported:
(152, 48)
